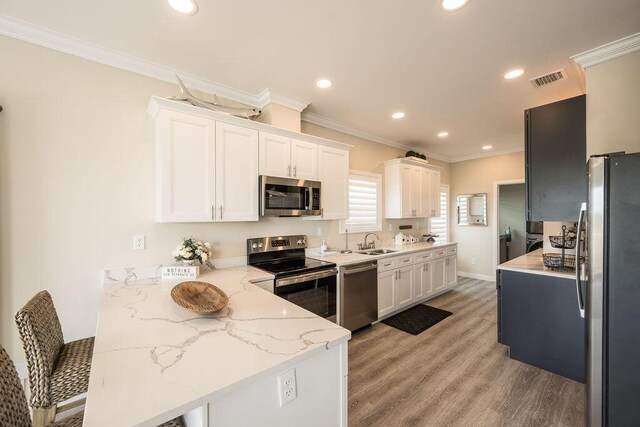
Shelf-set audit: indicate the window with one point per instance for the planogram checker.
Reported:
(365, 213)
(440, 225)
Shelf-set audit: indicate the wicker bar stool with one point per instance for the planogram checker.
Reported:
(14, 410)
(57, 371)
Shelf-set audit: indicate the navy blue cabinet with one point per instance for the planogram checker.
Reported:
(555, 159)
(538, 319)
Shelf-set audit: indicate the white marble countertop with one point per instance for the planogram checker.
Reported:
(355, 257)
(532, 263)
(154, 360)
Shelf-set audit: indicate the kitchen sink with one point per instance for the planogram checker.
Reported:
(379, 252)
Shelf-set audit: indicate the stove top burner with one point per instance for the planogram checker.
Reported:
(293, 266)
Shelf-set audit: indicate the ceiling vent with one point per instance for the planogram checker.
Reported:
(547, 79)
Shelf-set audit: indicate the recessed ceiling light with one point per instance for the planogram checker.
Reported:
(487, 147)
(189, 7)
(324, 83)
(451, 5)
(443, 134)
(398, 115)
(514, 73)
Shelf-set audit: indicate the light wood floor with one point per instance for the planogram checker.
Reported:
(454, 373)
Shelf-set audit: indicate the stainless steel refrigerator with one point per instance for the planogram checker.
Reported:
(612, 266)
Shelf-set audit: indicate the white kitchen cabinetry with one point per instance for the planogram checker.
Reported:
(422, 280)
(205, 170)
(386, 292)
(236, 173)
(404, 287)
(333, 173)
(434, 196)
(185, 167)
(288, 158)
(405, 280)
(409, 186)
(275, 155)
(438, 274)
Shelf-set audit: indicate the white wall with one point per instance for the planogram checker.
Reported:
(478, 176)
(77, 182)
(613, 105)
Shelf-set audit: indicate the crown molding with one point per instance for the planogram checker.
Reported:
(486, 154)
(40, 36)
(608, 51)
(341, 127)
(268, 96)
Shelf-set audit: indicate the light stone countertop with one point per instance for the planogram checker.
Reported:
(154, 360)
(355, 257)
(532, 263)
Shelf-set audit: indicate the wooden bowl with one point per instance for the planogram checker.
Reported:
(199, 297)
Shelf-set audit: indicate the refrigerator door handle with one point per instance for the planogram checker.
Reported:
(583, 209)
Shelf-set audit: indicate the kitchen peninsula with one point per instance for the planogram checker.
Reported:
(154, 360)
(538, 316)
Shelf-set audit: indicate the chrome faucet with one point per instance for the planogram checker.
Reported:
(366, 245)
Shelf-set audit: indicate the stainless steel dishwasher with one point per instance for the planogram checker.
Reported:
(358, 295)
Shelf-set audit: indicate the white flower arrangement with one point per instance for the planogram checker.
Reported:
(193, 250)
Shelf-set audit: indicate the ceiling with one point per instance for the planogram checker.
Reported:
(443, 69)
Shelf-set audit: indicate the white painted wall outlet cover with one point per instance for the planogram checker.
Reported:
(287, 389)
(138, 242)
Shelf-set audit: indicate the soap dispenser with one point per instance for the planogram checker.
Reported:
(323, 247)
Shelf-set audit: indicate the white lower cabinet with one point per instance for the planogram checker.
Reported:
(386, 292)
(404, 287)
(422, 280)
(405, 280)
(438, 274)
(451, 274)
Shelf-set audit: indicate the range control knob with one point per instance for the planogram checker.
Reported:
(254, 246)
(259, 245)
(299, 242)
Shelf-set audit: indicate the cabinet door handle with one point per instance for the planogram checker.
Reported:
(427, 266)
(220, 212)
(213, 213)
(295, 171)
(289, 171)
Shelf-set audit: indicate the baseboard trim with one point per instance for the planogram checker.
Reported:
(477, 276)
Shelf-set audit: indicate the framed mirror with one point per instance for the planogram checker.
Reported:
(472, 209)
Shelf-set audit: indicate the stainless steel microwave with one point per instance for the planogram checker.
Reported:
(289, 197)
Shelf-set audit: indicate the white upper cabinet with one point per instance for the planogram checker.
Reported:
(236, 173)
(208, 163)
(333, 173)
(275, 155)
(435, 193)
(185, 167)
(288, 158)
(304, 160)
(409, 186)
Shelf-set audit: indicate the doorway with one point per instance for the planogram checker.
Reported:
(510, 218)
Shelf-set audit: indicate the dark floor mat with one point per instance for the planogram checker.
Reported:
(417, 319)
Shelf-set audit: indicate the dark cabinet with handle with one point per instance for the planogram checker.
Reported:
(555, 158)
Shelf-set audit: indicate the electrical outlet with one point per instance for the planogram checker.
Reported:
(287, 387)
(138, 242)
(474, 261)
(320, 231)
(390, 227)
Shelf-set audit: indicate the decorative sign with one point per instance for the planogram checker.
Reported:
(180, 272)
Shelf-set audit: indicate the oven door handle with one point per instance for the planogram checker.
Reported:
(306, 277)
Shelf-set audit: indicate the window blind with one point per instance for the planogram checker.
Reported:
(440, 225)
(364, 200)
